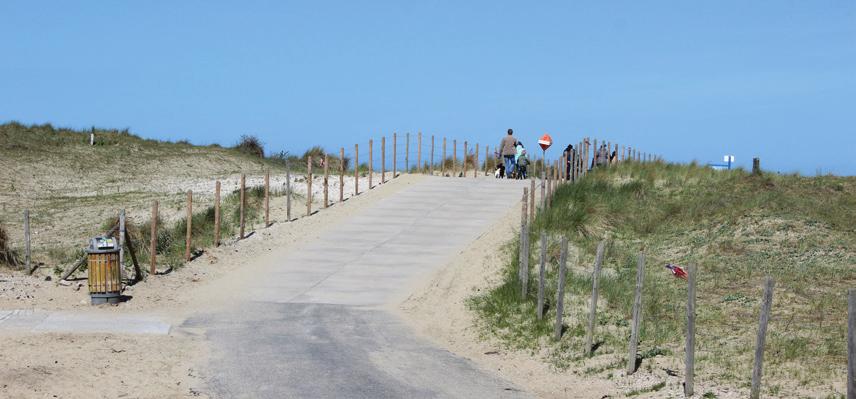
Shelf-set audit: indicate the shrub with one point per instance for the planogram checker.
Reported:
(7, 256)
(251, 145)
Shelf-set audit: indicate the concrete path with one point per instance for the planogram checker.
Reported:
(315, 325)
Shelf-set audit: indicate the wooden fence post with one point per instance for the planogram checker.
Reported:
(27, 254)
(542, 275)
(356, 169)
(267, 198)
(122, 242)
(851, 343)
(153, 239)
(464, 161)
(287, 191)
(692, 276)
(216, 215)
(309, 185)
(560, 292)
(766, 304)
(543, 188)
(394, 154)
(523, 251)
(342, 174)
(532, 199)
(407, 153)
(443, 161)
(454, 155)
(595, 277)
(432, 156)
(476, 162)
(371, 159)
(486, 158)
(243, 204)
(756, 166)
(188, 240)
(637, 315)
(326, 180)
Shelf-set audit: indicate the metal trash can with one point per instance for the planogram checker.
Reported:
(105, 278)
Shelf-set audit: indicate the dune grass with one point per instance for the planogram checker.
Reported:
(738, 228)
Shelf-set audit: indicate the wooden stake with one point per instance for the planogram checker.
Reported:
(432, 155)
(216, 215)
(476, 162)
(187, 240)
(523, 265)
(326, 180)
(486, 158)
(356, 169)
(532, 199)
(407, 153)
(542, 271)
(27, 254)
(851, 343)
(595, 277)
(342, 174)
(637, 315)
(267, 198)
(243, 204)
(543, 188)
(560, 292)
(464, 161)
(443, 161)
(122, 231)
(454, 155)
(766, 305)
(394, 154)
(288, 192)
(690, 349)
(309, 184)
(153, 240)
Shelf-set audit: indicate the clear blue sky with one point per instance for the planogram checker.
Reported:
(688, 80)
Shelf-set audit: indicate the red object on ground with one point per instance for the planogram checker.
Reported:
(677, 271)
(545, 142)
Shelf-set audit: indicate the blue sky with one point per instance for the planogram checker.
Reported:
(688, 80)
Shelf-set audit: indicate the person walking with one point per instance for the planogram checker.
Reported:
(508, 150)
(569, 161)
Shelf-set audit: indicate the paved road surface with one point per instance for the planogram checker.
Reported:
(314, 326)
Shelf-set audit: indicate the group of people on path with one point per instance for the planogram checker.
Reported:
(515, 160)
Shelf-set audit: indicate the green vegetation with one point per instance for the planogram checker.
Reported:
(737, 227)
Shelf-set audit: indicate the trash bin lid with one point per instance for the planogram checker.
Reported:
(102, 244)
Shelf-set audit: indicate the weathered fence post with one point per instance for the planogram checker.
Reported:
(407, 153)
(542, 275)
(394, 154)
(454, 155)
(287, 191)
(692, 276)
(267, 198)
(432, 156)
(243, 205)
(464, 162)
(443, 161)
(532, 199)
(523, 251)
(486, 158)
(216, 214)
(382, 159)
(122, 242)
(188, 239)
(543, 187)
(326, 180)
(766, 304)
(637, 315)
(560, 292)
(851, 343)
(595, 277)
(356, 169)
(27, 253)
(153, 239)
(309, 185)
(756, 166)
(476, 162)
(371, 159)
(341, 174)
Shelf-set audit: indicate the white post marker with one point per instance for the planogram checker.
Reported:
(728, 159)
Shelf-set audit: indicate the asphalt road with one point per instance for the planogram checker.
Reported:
(314, 325)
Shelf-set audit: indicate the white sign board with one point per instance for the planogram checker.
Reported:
(728, 158)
